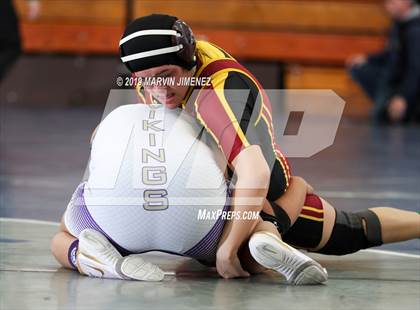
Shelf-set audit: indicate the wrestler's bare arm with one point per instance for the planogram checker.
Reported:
(253, 176)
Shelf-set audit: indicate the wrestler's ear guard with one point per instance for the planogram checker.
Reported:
(184, 37)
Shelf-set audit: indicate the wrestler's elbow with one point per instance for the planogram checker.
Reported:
(252, 169)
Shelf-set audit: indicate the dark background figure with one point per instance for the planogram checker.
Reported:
(391, 78)
(10, 43)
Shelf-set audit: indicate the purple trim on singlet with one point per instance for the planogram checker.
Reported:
(82, 219)
(71, 254)
(205, 249)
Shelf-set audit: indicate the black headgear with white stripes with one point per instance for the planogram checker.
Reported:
(156, 40)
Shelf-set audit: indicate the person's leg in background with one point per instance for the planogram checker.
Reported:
(413, 108)
(366, 76)
(371, 77)
(10, 45)
(384, 94)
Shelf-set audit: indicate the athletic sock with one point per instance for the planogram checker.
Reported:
(71, 255)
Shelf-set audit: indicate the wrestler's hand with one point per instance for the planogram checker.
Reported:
(228, 265)
(356, 60)
(34, 9)
(397, 108)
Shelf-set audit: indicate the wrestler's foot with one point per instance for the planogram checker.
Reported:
(298, 269)
(97, 257)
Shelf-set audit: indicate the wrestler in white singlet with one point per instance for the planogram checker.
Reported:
(149, 176)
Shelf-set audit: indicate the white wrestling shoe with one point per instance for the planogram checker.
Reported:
(272, 253)
(97, 257)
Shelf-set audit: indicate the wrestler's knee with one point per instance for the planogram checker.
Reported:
(352, 232)
(308, 229)
(55, 243)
